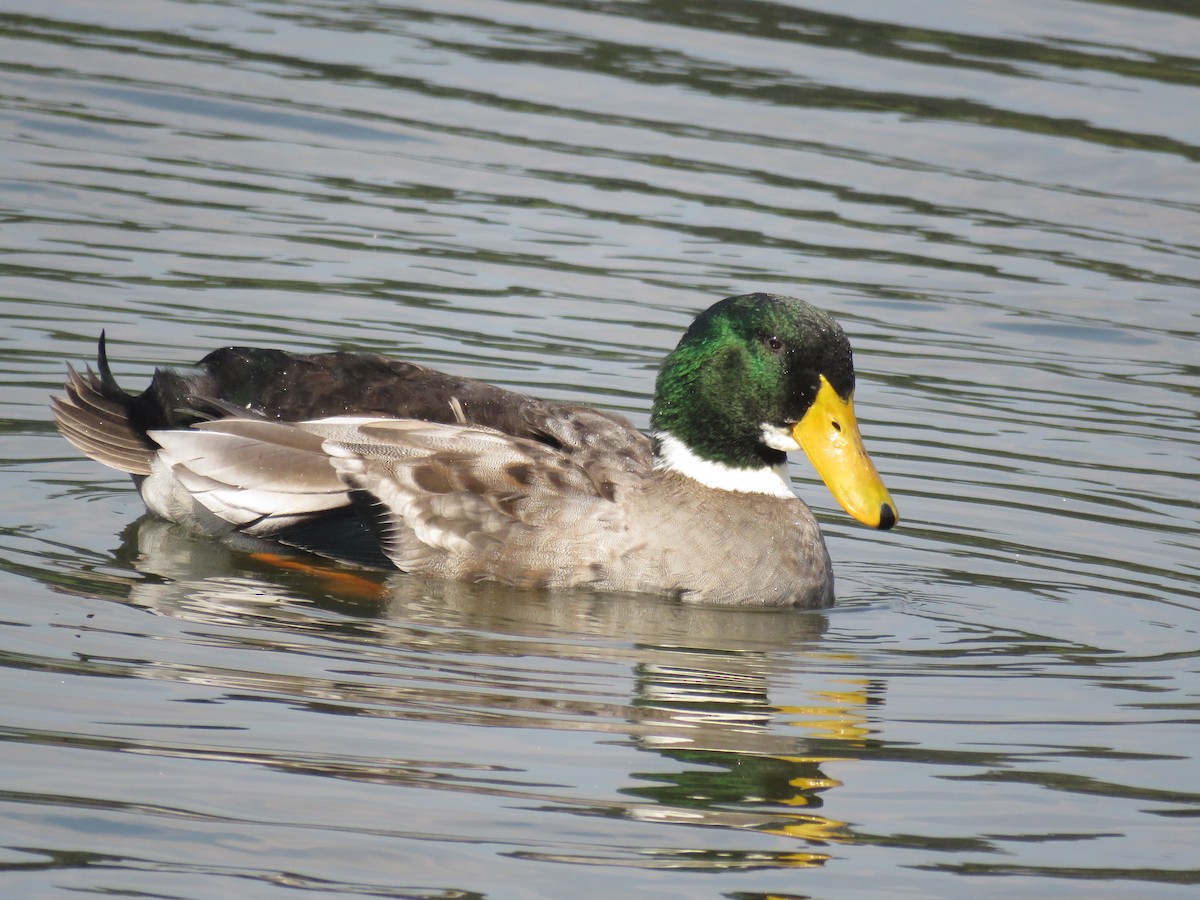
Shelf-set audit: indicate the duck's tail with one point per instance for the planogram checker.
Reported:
(96, 416)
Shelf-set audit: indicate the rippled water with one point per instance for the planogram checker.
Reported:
(1001, 203)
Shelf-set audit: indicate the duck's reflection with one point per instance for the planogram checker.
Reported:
(702, 678)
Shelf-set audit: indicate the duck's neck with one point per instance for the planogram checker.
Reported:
(672, 454)
(710, 405)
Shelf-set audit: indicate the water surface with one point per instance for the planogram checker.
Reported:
(1001, 204)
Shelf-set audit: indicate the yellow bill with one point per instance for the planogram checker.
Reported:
(828, 433)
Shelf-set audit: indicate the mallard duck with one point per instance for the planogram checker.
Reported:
(384, 463)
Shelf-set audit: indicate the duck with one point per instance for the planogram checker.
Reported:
(378, 462)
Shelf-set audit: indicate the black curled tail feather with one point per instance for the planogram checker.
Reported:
(107, 382)
(96, 415)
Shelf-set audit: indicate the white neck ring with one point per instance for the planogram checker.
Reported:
(675, 456)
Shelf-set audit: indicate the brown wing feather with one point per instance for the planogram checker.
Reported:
(303, 387)
(470, 503)
(111, 426)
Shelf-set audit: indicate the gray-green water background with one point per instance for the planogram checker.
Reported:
(1000, 202)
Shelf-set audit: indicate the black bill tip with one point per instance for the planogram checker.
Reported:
(887, 517)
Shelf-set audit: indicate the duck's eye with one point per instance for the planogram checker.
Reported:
(774, 343)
